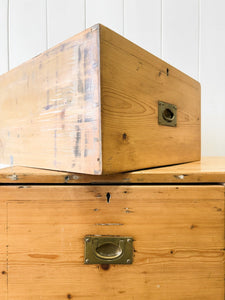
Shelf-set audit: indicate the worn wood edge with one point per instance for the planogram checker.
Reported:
(208, 170)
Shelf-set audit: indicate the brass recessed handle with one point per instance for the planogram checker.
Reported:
(167, 114)
(108, 250)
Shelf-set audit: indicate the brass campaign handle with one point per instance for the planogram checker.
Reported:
(167, 114)
(108, 250)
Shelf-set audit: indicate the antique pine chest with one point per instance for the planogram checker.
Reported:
(169, 223)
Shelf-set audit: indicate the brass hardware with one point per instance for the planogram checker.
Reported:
(108, 250)
(167, 114)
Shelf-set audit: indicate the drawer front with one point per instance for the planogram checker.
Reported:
(178, 234)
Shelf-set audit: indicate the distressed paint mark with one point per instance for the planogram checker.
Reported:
(88, 89)
(55, 147)
(48, 106)
(86, 144)
(79, 118)
(77, 151)
(88, 119)
(80, 85)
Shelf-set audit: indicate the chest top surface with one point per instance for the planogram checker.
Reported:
(208, 170)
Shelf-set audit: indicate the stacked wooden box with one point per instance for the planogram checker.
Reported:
(98, 104)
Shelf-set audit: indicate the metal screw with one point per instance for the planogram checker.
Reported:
(128, 261)
(87, 240)
(129, 240)
(87, 260)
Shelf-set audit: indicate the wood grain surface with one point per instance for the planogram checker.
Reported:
(50, 108)
(132, 83)
(208, 169)
(178, 236)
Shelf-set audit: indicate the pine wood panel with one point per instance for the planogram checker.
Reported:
(133, 81)
(209, 169)
(178, 233)
(50, 111)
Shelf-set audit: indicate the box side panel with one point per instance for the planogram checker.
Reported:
(133, 81)
(50, 109)
(178, 234)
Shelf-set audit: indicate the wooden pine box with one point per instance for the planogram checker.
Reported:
(175, 216)
(93, 104)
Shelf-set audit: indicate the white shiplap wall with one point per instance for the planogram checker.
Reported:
(186, 33)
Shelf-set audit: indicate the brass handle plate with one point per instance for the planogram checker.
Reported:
(167, 114)
(108, 249)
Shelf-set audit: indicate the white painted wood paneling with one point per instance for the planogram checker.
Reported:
(3, 36)
(142, 24)
(27, 30)
(64, 19)
(212, 76)
(180, 34)
(106, 12)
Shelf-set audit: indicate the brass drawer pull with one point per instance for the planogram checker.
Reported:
(108, 250)
(167, 114)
